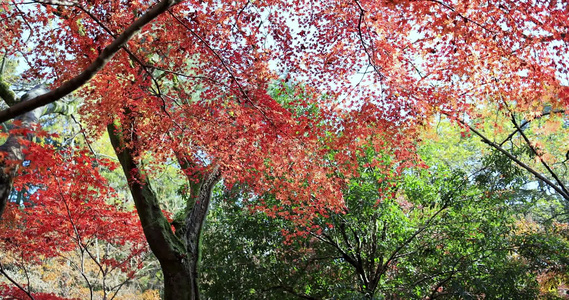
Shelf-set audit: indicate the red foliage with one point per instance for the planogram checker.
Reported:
(419, 58)
(15, 293)
(67, 207)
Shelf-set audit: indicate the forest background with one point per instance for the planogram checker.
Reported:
(284, 149)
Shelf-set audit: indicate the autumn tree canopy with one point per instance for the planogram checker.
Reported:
(392, 64)
(191, 82)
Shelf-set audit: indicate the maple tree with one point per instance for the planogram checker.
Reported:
(65, 209)
(188, 81)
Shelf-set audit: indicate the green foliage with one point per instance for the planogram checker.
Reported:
(438, 232)
(245, 257)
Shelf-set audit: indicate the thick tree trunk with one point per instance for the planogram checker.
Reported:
(178, 281)
(169, 249)
(178, 257)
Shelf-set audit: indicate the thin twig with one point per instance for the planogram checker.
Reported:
(14, 282)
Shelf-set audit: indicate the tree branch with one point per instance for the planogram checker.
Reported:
(411, 238)
(545, 165)
(524, 123)
(195, 220)
(79, 80)
(3, 272)
(6, 93)
(517, 161)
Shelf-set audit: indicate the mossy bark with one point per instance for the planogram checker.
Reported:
(178, 256)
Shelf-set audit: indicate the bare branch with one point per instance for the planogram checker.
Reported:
(525, 122)
(517, 161)
(3, 272)
(56, 2)
(540, 156)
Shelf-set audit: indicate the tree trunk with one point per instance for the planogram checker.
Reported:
(12, 148)
(178, 282)
(178, 257)
(195, 220)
